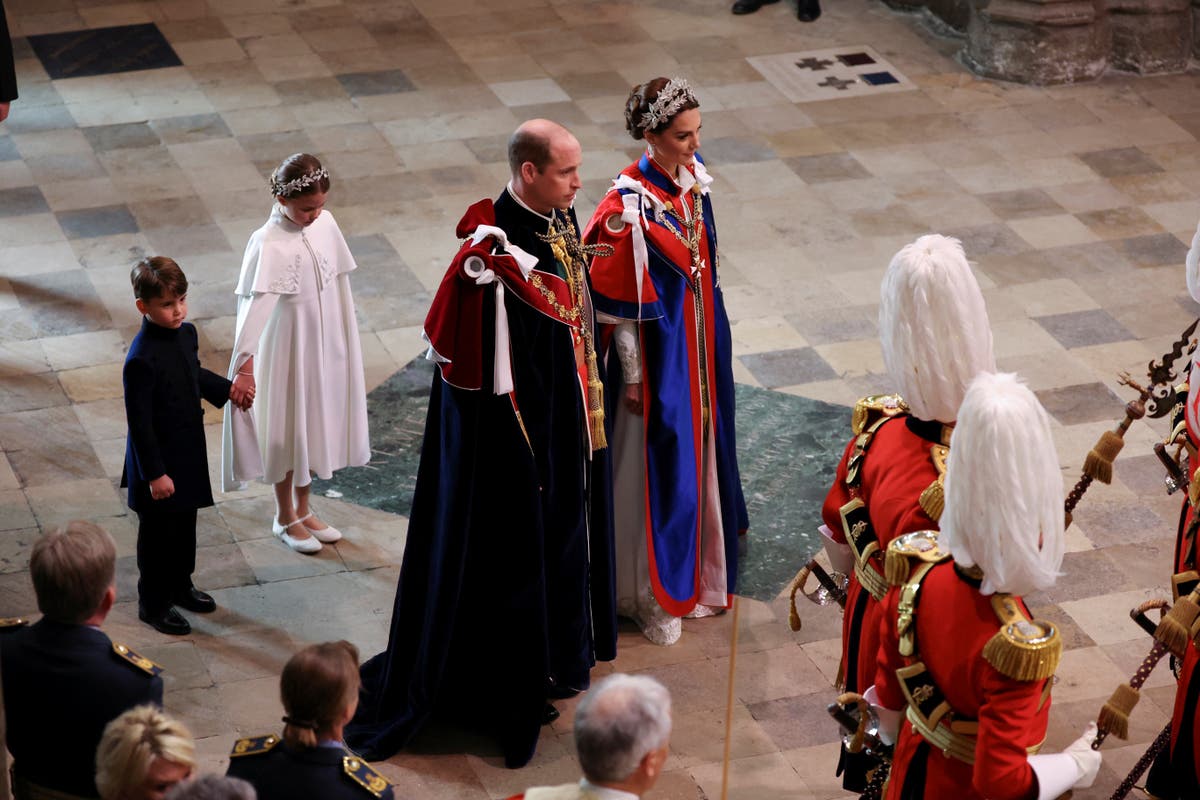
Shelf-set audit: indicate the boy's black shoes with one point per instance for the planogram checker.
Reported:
(170, 622)
(195, 600)
(750, 6)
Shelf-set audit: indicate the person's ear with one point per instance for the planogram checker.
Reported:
(110, 597)
(141, 305)
(528, 172)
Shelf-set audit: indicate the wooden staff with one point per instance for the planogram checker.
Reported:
(729, 701)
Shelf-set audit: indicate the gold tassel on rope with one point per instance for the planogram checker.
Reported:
(595, 400)
(1175, 630)
(1114, 715)
(1099, 460)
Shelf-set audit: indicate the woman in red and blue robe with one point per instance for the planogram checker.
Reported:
(677, 491)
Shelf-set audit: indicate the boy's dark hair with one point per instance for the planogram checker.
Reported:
(152, 277)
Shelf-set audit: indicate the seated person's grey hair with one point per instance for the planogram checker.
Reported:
(212, 787)
(621, 720)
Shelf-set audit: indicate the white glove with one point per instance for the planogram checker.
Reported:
(889, 719)
(1087, 759)
(841, 558)
(1073, 768)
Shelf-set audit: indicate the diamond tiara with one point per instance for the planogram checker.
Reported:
(673, 96)
(296, 184)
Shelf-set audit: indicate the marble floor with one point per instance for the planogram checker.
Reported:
(1075, 204)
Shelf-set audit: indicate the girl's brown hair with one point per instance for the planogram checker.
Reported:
(317, 686)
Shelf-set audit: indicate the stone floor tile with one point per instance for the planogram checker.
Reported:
(91, 222)
(798, 721)
(22, 200)
(1119, 162)
(1153, 250)
(827, 167)
(788, 367)
(1054, 231)
(1119, 223)
(65, 500)
(1021, 203)
(1080, 328)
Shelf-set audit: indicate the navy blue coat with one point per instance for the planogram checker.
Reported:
(319, 773)
(62, 684)
(506, 590)
(163, 386)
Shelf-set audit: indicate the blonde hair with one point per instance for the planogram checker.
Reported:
(318, 684)
(71, 568)
(130, 744)
(1004, 491)
(933, 326)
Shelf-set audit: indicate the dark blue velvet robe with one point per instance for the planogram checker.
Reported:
(506, 591)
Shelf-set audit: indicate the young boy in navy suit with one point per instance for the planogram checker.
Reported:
(166, 459)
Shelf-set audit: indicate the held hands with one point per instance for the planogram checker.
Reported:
(241, 393)
(162, 487)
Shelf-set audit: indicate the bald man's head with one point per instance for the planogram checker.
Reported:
(532, 142)
(544, 158)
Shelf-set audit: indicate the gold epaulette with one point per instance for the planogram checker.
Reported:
(254, 745)
(870, 409)
(12, 623)
(906, 551)
(1023, 649)
(136, 659)
(933, 499)
(365, 776)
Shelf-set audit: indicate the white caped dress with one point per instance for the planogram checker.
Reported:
(296, 318)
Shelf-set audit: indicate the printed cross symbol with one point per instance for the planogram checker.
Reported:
(815, 64)
(837, 83)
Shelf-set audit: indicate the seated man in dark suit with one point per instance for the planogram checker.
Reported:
(63, 679)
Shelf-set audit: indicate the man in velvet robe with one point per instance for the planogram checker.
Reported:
(505, 598)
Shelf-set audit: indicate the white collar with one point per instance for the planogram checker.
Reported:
(605, 793)
(512, 193)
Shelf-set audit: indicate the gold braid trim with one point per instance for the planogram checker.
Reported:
(573, 255)
(906, 551)
(870, 409)
(933, 499)
(1023, 649)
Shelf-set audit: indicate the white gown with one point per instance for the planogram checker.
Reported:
(296, 318)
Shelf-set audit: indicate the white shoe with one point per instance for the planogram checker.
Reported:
(307, 546)
(657, 625)
(701, 611)
(328, 534)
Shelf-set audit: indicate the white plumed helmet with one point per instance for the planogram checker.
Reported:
(1004, 494)
(933, 326)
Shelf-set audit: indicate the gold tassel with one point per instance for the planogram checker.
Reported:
(896, 567)
(1114, 715)
(595, 401)
(855, 745)
(933, 500)
(1099, 461)
(1023, 662)
(797, 582)
(1175, 630)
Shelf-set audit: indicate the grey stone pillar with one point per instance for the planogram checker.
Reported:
(1038, 41)
(1151, 35)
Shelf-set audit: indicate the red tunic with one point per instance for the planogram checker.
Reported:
(897, 468)
(1185, 548)
(953, 623)
(1176, 773)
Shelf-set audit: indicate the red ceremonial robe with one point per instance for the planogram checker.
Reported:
(683, 329)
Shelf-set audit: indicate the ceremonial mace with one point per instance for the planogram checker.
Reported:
(1098, 464)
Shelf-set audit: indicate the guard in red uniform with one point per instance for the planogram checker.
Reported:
(933, 327)
(1185, 429)
(959, 658)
